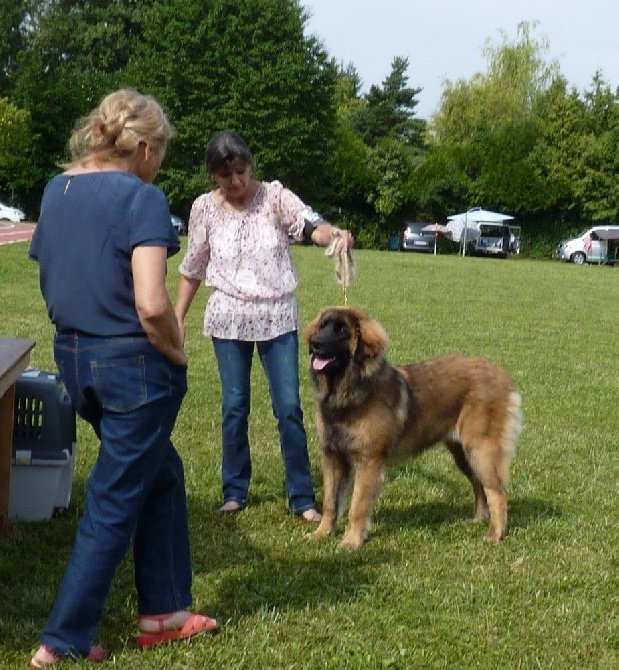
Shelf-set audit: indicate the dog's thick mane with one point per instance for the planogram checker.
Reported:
(351, 388)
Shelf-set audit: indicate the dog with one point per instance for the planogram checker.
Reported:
(369, 413)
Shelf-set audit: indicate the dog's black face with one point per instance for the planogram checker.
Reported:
(330, 347)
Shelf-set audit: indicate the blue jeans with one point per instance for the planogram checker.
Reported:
(280, 360)
(131, 395)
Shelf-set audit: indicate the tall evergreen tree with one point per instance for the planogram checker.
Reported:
(243, 66)
(389, 110)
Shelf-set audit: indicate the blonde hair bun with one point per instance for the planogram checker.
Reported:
(118, 125)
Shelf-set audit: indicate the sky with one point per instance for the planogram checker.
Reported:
(444, 39)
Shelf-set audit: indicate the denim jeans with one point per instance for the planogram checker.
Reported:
(280, 360)
(131, 395)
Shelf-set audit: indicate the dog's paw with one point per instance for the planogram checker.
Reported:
(494, 538)
(352, 542)
(317, 534)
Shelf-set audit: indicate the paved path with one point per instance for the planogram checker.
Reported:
(15, 232)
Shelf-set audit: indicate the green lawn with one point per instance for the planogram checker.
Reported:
(425, 591)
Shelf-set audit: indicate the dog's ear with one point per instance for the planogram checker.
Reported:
(373, 336)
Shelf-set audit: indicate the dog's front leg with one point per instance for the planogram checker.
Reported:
(369, 475)
(335, 473)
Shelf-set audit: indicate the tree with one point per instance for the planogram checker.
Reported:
(437, 183)
(247, 67)
(388, 111)
(12, 15)
(392, 165)
(380, 132)
(557, 155)
(349, 168)
(71, 53)
(598, 190)
(577, 151)
(15, 147)
(489, 126)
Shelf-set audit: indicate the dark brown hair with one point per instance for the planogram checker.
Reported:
(226, 148)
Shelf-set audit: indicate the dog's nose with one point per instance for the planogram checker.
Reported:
(316, 344)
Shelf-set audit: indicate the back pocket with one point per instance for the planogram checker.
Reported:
(120, 383)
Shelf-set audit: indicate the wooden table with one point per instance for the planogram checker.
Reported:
(14, 359)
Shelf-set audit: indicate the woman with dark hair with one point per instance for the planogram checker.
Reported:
(102, 242)
(239, 236)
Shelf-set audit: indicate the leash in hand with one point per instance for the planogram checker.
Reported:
(345, 270)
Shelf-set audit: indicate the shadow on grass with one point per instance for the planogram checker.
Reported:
(456, 506)
(243, 564)
(522, 512)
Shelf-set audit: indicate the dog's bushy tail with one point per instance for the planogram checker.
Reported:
(513, 426)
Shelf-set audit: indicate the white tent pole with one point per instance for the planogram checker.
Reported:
(466, 221)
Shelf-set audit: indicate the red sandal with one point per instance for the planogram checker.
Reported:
(96, 655)
(195, 625)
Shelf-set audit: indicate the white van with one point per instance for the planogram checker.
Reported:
(598, 244)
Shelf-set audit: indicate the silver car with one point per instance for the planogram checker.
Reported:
(413, 238)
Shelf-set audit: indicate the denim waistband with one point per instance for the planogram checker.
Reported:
(81, 333)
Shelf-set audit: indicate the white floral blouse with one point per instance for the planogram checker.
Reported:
(245, 258)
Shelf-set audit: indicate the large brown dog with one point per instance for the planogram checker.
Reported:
(369, 412)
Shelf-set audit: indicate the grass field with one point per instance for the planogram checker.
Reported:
(425, 591)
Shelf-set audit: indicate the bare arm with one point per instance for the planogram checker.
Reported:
(153, 302)
(187, 289)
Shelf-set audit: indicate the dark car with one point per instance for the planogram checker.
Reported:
(179, 225)
(413, 238)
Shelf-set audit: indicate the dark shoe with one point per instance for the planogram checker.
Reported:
(231, 507)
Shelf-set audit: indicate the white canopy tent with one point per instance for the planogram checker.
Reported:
(465, 226)
(436, 228)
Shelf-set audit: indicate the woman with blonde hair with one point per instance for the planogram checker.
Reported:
(102, 241)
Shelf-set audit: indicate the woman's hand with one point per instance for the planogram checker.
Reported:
(348, 241)
(187, 289)
(324, 233)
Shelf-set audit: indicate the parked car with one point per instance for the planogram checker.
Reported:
(179, 225)
(11, 213)
(597, 244)
(496, 239)
(413, 238)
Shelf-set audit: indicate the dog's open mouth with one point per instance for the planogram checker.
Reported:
(321, 363)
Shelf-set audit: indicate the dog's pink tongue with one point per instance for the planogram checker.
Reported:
(320, 363)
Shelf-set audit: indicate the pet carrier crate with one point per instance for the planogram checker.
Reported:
(44, 446)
